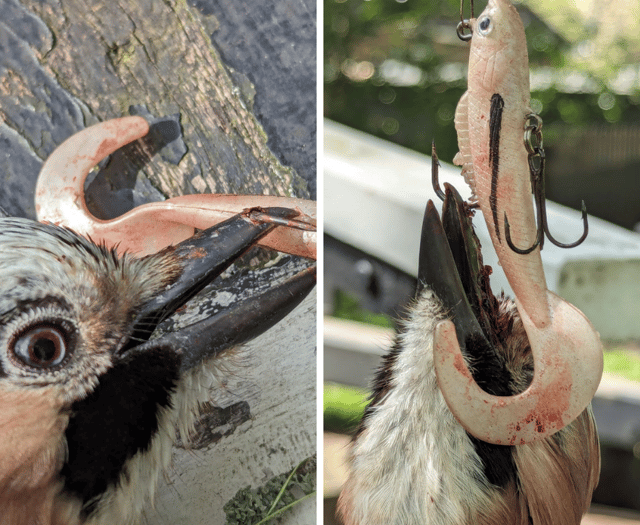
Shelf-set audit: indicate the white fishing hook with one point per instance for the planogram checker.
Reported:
(150, 227)
(566, 349)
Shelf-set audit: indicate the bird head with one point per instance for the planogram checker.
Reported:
(87, 392)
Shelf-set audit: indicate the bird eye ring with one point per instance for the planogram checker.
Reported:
(41, 346)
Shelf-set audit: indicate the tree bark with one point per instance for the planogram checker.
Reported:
(69, 64)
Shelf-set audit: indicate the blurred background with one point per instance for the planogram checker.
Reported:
(393, 74)
(396, 70)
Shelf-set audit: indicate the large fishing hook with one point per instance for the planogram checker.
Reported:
(150, 227)
(533, 143)
(464, 24)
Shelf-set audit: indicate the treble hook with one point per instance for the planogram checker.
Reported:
(538, 190)
(464, 24)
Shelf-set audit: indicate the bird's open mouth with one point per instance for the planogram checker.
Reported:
(203, 258)
(451, 265)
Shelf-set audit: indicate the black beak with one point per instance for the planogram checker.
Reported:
(203, 258)
(450, 264)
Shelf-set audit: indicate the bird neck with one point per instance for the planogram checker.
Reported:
(411, 460)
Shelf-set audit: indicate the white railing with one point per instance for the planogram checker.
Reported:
(374, 198)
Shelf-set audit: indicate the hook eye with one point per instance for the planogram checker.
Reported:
(464, 24)
(460, 30)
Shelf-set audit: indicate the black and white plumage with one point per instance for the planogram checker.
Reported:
(89, 404)
(411, 463)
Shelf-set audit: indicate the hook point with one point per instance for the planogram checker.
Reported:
(435, 164)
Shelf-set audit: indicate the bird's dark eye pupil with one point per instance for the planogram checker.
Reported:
(44, 349)
(41, 346)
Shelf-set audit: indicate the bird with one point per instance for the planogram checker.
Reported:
(410, 461)
(90, 398)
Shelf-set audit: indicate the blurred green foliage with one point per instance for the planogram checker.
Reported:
(343, 407)
(417, 40)
(623, 363)
(346, 306)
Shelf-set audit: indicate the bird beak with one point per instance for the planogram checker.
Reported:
(204, 257)
(450, 264)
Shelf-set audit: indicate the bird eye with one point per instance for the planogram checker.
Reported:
(41, 347)
(485, 26)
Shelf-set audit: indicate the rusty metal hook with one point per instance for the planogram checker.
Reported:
(464, 24)
(150, 227)
(533, 143)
